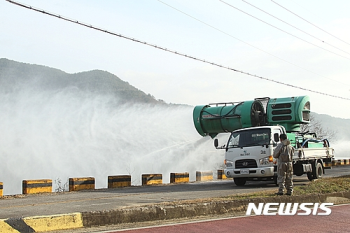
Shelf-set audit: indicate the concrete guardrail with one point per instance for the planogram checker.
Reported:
(36, 186)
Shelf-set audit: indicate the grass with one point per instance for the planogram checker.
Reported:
(325, 185)
(321, 186)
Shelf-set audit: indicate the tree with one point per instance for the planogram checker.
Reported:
(316, 126)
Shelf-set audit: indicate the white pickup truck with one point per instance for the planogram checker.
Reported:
(249, 154)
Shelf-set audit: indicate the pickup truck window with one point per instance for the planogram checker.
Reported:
(253, 137)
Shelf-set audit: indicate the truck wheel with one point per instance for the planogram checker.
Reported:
(318, 171)
(275, 180)
(240, 181)
(310, 176)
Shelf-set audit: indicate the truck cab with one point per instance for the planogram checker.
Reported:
(249, 154)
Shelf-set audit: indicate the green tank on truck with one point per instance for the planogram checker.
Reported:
(255, 127)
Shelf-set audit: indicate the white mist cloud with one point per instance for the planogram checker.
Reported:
(70, 133)
(341, 149)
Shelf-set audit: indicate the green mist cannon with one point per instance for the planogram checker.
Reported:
(289, 112)
(217, 118)
(226, 117)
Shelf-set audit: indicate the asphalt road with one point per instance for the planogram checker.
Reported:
(106, 199)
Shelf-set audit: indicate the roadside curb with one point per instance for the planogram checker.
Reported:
(168, 211)
(163, 211)
(42, 223)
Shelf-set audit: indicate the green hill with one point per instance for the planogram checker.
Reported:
(14, 73)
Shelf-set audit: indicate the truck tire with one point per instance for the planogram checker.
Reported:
(310, 176)
(240, 181)
(298, 169)
(318, 171)
(275, 180)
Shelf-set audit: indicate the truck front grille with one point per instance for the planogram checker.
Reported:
(246, 163)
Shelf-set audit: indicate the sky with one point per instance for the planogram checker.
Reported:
(305, 44)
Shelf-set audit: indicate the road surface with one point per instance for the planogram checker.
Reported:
(104, 199)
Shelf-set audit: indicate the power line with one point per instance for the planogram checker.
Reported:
(295, 27)
(309, 22)
(215, 28)
(168, 50)
(282, 30)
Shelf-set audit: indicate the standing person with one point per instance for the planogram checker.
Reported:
(284, 154)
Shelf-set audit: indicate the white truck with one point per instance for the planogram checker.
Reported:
(249, 154)
(255, 127)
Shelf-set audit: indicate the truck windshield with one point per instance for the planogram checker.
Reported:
(253, 137)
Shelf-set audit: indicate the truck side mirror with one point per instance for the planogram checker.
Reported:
(273, 143)
(276, 137)
(216, 143)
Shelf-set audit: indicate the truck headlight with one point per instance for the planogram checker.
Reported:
(228, 163)
(266, 160)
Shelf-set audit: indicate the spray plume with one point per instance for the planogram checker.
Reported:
(50, 134)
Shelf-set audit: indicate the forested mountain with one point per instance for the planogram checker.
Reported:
(14, 73)
(335, 127)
